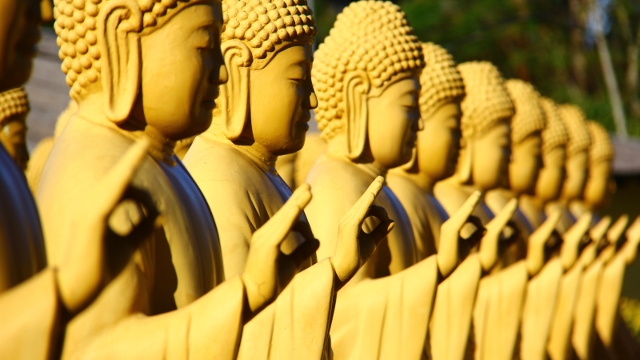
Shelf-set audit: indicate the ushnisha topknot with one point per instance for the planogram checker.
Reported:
(575, 122)
(440, 80)
(264, 24)
(486, 102)
(76, 25)
(529, 116)
(554, 133)
(13, 102)
(369, 36)
(601, 148)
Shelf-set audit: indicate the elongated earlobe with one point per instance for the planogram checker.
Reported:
(356, 89)
(118, 31)
(234, 95)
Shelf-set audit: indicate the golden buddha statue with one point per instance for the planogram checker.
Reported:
(552, 173)
(526, 126)
(36, 301)
(162, 290)
(233, 162)
(366, 74)
(576, 163)
(436, 151)
(14, 108)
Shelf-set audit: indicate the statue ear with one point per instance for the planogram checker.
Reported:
(356, 89)
(119, 25)
(465, 163)
(234, 94)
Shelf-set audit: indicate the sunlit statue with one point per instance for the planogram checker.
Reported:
(14, 108)
(366, 74)
(36, 301)
(437, 148)
(576, 163)
(551, 177)
(233, 163)
(526, 126)
(434, 159)
(164, 295)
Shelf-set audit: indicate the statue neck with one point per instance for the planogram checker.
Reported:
(255, 151)
(160, 147)
(423, 181)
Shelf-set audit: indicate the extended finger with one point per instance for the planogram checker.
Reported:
(460, 217)
(478, 233)
(113, 186)
(544, 231)
(617, 229)
(500, 221)
(633, 233)
(359, 210)
(579, 229)
(281, 223)
(600, 229)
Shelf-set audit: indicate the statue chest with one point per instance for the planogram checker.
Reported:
(185, 252)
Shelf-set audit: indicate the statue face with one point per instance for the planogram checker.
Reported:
(491, 152)
(576, 167)
(13, 137)
(551, 175)
(599, 184)
(281, 98)
(182, 67)
(439, 142)
(394, 120)
(525, 164)
(19, 34)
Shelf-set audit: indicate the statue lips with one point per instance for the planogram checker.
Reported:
(209, 100)
(303, 122)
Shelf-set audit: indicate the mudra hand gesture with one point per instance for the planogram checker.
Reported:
(450, 234)
(489, 243)
(269, 269)
(80, 274)
(355, 246)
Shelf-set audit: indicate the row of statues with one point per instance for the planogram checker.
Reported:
(442, 212)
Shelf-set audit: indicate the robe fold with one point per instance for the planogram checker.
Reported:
(498, 310)
(243, 193)
(540, 303)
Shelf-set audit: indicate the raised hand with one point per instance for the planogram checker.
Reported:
(599, 230)
(354, 246)
(450, 234)
(270, 267)
(633, 239)
(572, 240)
(81, 273)
(617, 230)
(537, 241)
(489, 243)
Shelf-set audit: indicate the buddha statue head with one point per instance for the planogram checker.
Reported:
(486, 114)
(366, 74)
(526, 128)
(441, 92)
(14, 108)
(576, 164)
(19, 34)
(152, 65)
(268, 99)
(599, 184)
(554, 142)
